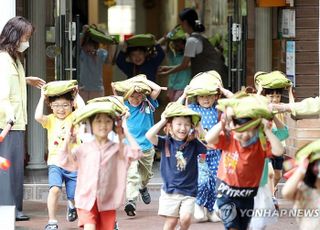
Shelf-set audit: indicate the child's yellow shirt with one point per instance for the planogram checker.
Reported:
(57, 130)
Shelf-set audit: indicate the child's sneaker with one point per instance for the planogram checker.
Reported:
(116, 226)
(276, 204)
(72, 214)
(51, 226)
(130, 208)
(213, 217)
(145, 195)
(200, 213)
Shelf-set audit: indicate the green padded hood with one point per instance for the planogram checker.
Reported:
(175, 109)
(93, 108)
(204, 83)
(141, 40)
(56, 88)
(247, 106)
(138, 84)
(271, 80)
(311, 151)
(177, 33)
(116, 100)
(100, 37)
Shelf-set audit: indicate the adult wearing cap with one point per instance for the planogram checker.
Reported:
(14, 40)
(199, 53)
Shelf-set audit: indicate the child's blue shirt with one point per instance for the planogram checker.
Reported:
(176, 181)
(140, 121)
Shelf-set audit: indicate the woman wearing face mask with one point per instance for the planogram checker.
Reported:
(14, 40)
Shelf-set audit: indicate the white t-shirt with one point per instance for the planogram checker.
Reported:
(193, 47)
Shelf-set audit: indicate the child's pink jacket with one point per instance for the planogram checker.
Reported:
(102, 174)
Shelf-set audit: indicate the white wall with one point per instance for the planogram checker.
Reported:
(7, 11)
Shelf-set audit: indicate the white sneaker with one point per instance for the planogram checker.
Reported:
(200, 213)
(213, 217)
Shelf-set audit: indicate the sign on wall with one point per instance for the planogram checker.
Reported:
(288, 23)
(290, 61)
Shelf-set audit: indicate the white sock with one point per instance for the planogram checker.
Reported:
(52, 222)
(70, 204)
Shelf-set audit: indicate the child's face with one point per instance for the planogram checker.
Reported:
(274, 98)
(137, 57)
(244, 137)
(61, 108)
(180, 128)
(207, 100)
(136, 99)
(178, 45)
(102, 124)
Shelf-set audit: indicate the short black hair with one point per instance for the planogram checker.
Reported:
(241, 121)
(310, 178)
(272, 91)
(68, 96)
(136, 48)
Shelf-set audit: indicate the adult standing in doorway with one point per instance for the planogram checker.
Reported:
(198, 53)
(14, 40)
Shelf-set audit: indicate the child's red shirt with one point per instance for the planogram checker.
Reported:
(240, 168)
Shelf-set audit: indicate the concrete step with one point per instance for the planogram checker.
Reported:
(39, 192)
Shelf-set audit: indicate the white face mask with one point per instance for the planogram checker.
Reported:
(23, 46)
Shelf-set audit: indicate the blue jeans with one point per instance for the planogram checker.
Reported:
(58, 175)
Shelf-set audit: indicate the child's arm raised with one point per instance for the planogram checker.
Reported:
(156, 89)
(212, 136)
(276, 146)
(227, 93)
(79, 102)
(290, 188)
(38, 115)
(151, 135)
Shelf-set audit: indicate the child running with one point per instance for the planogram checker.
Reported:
(272, 84)
(245, 138)
(99, 192)
(140, 98)
(60, 95)
(204, 91)
(178, 166)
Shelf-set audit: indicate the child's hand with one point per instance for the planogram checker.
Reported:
(164, 70)
(267, 125)
(70, 137)
(259, 89)
(303, 166)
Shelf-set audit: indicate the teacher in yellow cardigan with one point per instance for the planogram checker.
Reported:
(14, 40)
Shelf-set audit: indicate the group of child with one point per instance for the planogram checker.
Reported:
(220, 157)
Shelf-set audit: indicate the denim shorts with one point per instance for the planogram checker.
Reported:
(56, 177)
(231, 211)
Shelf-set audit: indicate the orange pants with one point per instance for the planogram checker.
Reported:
(103, 220)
